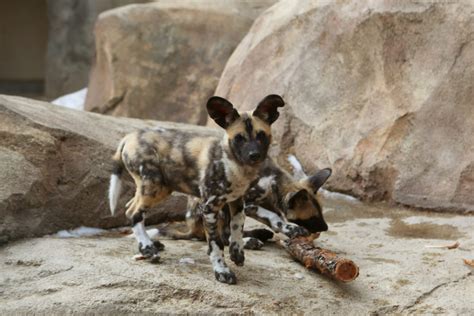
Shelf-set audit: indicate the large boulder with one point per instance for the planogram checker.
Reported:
(381, 91)
(163, 60)
(54, 169)
(71, 42)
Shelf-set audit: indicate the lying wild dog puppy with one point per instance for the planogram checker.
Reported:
(217, 170)
(277, 199)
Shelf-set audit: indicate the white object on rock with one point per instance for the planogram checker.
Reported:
(82, 231)
(298, 276)
(139, 257)
(73, 100)
(187, 261)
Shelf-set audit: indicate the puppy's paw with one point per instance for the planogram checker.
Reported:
(293, 230)
(160, 246)
(261, 234)
(226, 277)
(150, 252)
(252, 243)
(236, 254)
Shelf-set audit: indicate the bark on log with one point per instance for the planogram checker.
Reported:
(321, 260)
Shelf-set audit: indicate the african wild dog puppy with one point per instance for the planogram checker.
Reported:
(217, 170)
(277, 199)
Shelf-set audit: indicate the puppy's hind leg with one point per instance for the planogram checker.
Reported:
(252, 243)
(254, 239)
(148, 194)
(145, 245)
(194, 228)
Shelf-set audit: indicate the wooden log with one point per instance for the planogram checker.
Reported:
(321, 260)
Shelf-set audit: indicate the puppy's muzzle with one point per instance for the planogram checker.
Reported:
(255, 156)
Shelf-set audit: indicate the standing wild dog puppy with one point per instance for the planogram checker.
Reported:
(217, 170)
(287, 204)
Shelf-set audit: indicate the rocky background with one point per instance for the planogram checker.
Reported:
(71, 42)
(380, 91)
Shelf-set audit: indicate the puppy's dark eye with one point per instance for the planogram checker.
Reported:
(239, 138)
(261, 136)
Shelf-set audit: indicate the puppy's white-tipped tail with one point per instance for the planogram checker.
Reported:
(114, 192)
(298, 171)
(116, 178)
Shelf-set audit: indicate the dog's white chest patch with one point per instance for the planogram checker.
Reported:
(265, 183)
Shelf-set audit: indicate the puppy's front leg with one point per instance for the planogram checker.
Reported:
(216, 247)
(277, 222)
(236, 243)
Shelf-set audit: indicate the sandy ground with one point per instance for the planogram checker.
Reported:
(398, 273)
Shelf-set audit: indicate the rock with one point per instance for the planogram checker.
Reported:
(163, 60)
(71, 42)
(55, 165)
(370, 92)
(186, 260)
(298, 276)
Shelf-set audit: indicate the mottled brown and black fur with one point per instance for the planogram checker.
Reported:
(285, 204)
(216, 170)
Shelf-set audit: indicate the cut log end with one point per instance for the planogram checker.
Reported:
(346, 271)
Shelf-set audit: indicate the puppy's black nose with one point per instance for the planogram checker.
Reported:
(254, 156)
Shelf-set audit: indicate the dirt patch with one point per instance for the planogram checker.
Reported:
(427, 230)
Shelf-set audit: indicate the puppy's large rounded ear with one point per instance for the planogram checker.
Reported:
(267, 109)
(296, 197)
(316, 181)
(222, 111)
